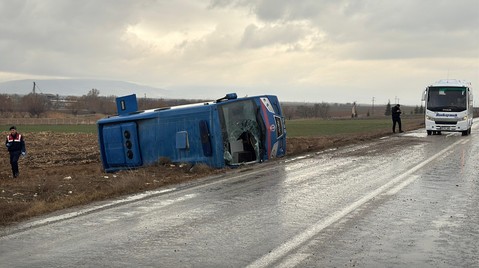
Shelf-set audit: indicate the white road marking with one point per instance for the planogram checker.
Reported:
(293, 260)
(281, 251)
(403, 184)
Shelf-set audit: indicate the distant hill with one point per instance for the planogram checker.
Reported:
(80, 87)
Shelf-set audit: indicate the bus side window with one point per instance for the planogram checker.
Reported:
(279, 126)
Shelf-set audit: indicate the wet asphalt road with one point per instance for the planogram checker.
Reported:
(408, 200)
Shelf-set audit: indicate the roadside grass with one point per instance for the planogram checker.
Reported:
(321, 127)
(53, 128)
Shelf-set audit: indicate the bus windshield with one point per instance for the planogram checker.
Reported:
(447, 99)
(241, 132)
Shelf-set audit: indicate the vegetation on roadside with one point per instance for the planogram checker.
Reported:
(316, 127)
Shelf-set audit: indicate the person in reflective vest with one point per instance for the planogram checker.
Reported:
(16, 147)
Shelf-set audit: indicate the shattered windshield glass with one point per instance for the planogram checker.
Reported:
(241, 132)
(447, 99)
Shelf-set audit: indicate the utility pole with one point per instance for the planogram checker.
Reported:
(34, 86)
(373, 107)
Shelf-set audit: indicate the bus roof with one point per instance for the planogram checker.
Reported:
(451, 83)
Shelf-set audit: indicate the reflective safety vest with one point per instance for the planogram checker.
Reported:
(11, 139)
(15, 143)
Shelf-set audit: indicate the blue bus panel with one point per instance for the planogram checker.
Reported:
(121, 145)
(227, 132)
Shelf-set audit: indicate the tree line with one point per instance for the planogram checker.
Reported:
(37, 105)
(417, 109)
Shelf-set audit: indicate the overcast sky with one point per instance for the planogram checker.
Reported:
(302, 50)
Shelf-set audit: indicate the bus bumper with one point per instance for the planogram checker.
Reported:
(457, 126)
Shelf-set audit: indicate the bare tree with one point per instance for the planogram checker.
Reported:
(147, 103)
(35, 104)
(75, 105)
(323, 110)
(93, 93)
(90, 102)
(288, 111)
(304, 111)
(6, 103)
(107, 105)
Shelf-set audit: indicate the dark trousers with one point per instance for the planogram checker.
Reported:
(398, 121)
(14, 156)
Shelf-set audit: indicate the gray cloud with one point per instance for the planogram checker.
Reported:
(303, 45)
(386, 27)
(66, 33)
(270, 35)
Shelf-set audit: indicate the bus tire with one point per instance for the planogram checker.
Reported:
(429, 132)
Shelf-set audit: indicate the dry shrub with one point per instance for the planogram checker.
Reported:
(164, 161)
(201, 168)
(14, 211)
(47, 188)
(129, 182)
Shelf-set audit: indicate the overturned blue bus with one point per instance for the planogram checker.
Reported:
(227, 132)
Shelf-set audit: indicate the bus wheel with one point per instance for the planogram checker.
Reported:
(429, 132)
(464, 133)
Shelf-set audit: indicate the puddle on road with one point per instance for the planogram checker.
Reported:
(421, 134)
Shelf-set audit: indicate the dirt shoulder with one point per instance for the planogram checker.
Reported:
(64, 170)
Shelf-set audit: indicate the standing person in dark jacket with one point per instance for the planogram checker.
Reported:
(396, 115)
(16, 147)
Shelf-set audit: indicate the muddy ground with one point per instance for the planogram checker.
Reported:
(64, 170)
